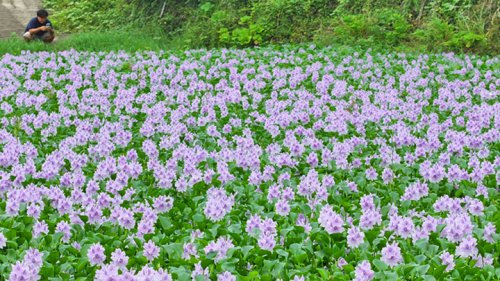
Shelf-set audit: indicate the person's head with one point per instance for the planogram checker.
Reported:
(42, 16)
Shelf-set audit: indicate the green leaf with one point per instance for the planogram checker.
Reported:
(420, 258)
(380, 265)
(165, 222)
(282, 253)
(198, 218)
(323, 273)
(391, 275)
(235, 228)
(422, 269)
(245, 250)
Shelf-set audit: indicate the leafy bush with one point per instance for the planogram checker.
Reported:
(248, 34)
(289, 20)
(391, 26)
(351, 28)
(466, 41)
(88, 15)
(384, 25)
(440, 35)
(434, 33)
(455, 25)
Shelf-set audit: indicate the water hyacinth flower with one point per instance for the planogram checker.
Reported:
(199, 271)
(96, 254)
(391, 255)
(119, 259)
(303, 222)
(488, 233)
(3, 241)
(253, 224)
(341, 262)
(447, 259)
(130, 142)
(331, 221)
(482, 261)
(64, 228)
(221, 246)
(282, 207)
(218, 204)
(415, 191)
(405, 227)
(39, 228)
(467, 248)
(355, 237)
(151, 251)
(364, 272)
(267, 241)
(226, 276)
(371, 174)
(21, 272)
(267, 235)
(28, 268)
(163, 204)
(189, 249)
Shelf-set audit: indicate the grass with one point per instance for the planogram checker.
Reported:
(132, 41)
(92, 41)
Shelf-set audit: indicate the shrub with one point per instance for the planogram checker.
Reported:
(466, 41)
(88, 15)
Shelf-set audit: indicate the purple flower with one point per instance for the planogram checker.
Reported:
(488, 233)
(28, 268)
(331, 221)
(267, 225)
(199, 271)
(405, 227)
(163, 204)
(364, 272)
(366, 202)
(40, 227)
(64, 228)
(151, 251)
(267, 241)
(387, 175)
(482, 261)
(371, 174)
(221, 246)
(370, 218)
(447, 259)
(391, 254)
(354, 237)
(341, 263)
(302, 221)
(467, 248)
(189, 250)
(22, 272)
(96, 254)
(415, 191)
(218, 204)
(282, 207)
(3, 241)
(119, 258)
(226, 276)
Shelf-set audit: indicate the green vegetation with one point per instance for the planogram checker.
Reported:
(423, 25)
(89, 41)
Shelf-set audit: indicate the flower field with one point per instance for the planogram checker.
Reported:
(261, 164)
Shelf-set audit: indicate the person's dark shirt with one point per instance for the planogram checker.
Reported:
(34, 23)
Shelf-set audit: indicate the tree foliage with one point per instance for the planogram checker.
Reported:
(459, 25)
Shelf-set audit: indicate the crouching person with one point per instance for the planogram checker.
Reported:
(39, 28)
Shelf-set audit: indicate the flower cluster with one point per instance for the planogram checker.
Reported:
(248, 164)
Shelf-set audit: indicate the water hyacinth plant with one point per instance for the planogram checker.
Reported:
(296, 163)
